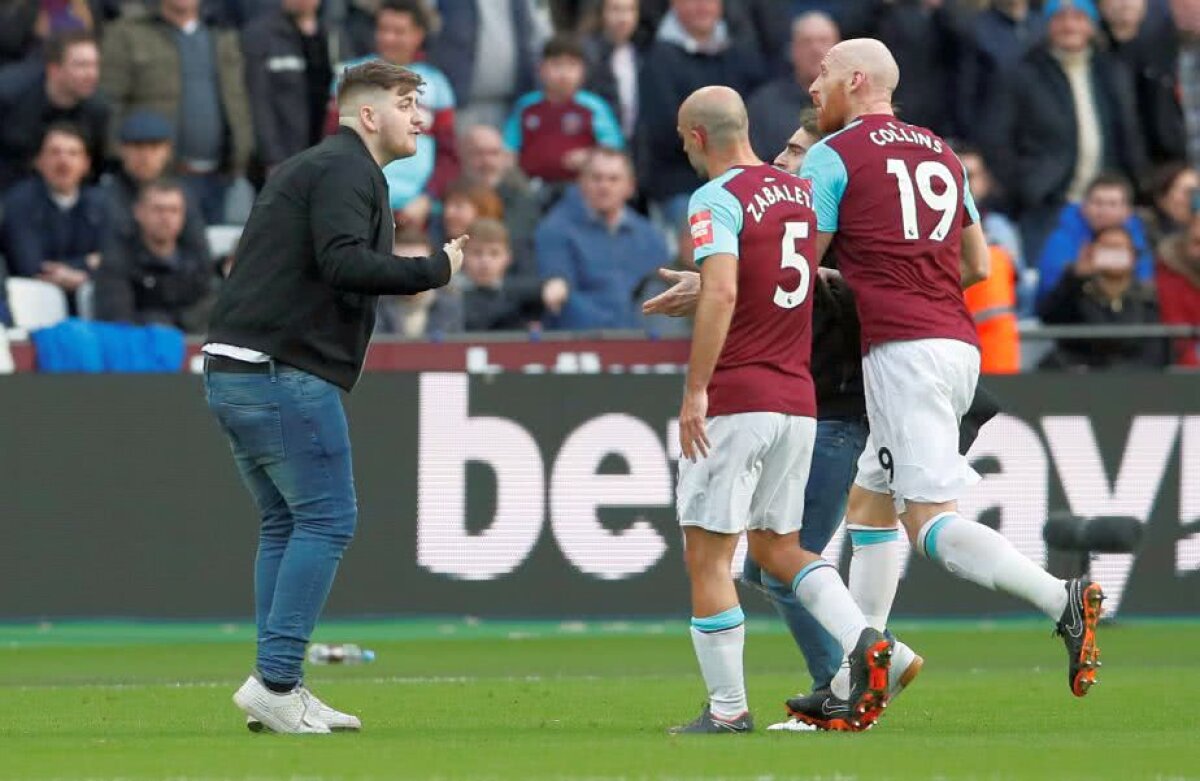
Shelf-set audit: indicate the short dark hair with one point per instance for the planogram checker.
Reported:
(1109, 179)
(563, 45)
(414, 8)
(163, 184)
(607, 151)
(57, 45)
(376, 74)
(809, 123)
(488, 230)
(66, 129)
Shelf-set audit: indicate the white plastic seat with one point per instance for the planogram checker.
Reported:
(35, 304)
(222, 239)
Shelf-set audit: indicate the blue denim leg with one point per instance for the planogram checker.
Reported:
(838, 445)
(289, 438)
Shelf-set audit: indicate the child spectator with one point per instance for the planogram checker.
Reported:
(481, 301)
(465, 202)
(406, 315)
(554, 128)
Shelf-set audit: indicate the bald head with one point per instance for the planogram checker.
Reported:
(719, 111)
(870, 58)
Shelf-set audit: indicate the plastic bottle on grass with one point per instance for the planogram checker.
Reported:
(343, 653)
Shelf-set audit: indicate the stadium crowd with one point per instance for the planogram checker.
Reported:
(131, 128)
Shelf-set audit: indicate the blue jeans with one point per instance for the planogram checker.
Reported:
(288, 433)
(839, 443)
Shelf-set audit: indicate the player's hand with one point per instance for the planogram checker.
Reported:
(680, 299)
(693, 438)
(454, 249)
(831, 275)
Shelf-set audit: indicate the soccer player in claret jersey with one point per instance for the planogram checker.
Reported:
(747, 421)
(896, 200)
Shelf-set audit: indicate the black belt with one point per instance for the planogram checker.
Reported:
(219, 363)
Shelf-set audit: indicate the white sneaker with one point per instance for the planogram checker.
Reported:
(906, 666)
(333, 718)
(292, 713)
(792, 725)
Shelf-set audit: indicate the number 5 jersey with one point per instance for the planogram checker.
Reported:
(763, 217)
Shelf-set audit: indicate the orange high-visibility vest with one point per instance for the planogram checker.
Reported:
(992, 303)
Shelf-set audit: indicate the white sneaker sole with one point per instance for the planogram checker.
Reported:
(246, 699)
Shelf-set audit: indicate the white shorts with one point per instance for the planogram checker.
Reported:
(754, 476)
(917, 393)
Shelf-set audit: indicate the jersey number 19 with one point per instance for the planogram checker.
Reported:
(945, 202)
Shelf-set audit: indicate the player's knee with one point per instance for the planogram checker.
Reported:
(869, 508)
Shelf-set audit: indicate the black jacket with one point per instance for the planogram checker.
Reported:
(836, 352)
(1152, 61)
(313, 258)
(668, 75)
(1031, 132)
(135, 286)
(27, 112)
(121, 192)
(1077, 301)
(277, 82)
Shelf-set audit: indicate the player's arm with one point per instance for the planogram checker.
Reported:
(974, 258)
(714, 312)
(715, 222)
(826, 170)
(975, 263)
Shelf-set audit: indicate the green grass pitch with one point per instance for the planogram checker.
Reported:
(454, 700)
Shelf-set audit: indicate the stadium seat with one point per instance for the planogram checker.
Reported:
(35, 304)
(222, 239)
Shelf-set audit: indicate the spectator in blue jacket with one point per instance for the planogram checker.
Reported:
(693, 49)
(54, 226)
(594, 252)
(1107, 203)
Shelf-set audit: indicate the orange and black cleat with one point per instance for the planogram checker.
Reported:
(869, 663)
(1077, 628)
(823, 710)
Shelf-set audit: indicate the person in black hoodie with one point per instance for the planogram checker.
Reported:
(289, 329)
(842, 431)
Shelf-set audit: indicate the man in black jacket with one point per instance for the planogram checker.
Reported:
(38, 93)
(151, 276)
(291, 327)
(289, 59)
